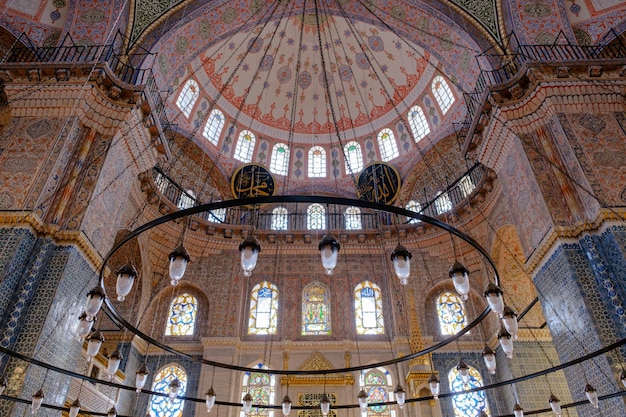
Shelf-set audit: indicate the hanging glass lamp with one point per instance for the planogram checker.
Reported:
(112, 412)
(37, 400)
(174, 386)
(400, 395)
(325, 405)
(74, 408)
(489, 356)
(286, 405)
(249, 248)
(179, 258)
(210, 399)
(401, 259)
(247, 403)
(509, 319)
(114, 363)
(362, 397)
(84, 326)
(94, 342)
(518, 411)
(506, 342)
(141, 376)
(592, 395)
(463, 371)
(434, 385)
(3, 385)
(329, 249)
(555, 404)
(493, 294)
(460, 279)
(125, 278)
(622, 377)
(95, 297)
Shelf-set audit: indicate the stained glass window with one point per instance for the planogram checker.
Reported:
(353, 218)
(280, 218)
(263, 309)
(470, 403)
(279, 164)
(413, 206)
(451, 312)
(317, 162)
(315, 310)
(163, 406)
(443, 94)
(245, 146)
(466, 185)
(213, 127)
(387, 145)
(315, 217)
(182, 317)
(368, 309)
(442, 202)
(188, 97)
(354, 157)
(186, 200)
(378, 386)
(418, 123)
(261, 387)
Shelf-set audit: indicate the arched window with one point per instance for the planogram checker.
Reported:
(387, 145)
(470, 403)
(443, 94)
(442, 202)
(354, 157)
(317, 162)
(263, 309)
(353, 218)
(315, 217)
(213, 127)
(245, 146)
(279, 164)
(378, 386)
(413, 206)
(451, 313)
(368, 309)
(280, 218)
(262, 388)
(418, 123)
(161, 182)
(315, 310)
(182, 318)
(163, 406)
(188, 97)
(466, 185)
(186, 199)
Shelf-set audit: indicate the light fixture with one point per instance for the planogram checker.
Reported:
(141, 376)
(210, 399)
(482, 414)
(114, 363)
(463, 371)
(125, 278)
(506, 342)
(493, 294)
(400, 395)
(3, 385)
(286, 405)
(179, 258)
(460, 279)
(329, 248)
(509, 319)
(592, 395)
(518, 411)
(174, 388)
(37, 400)
(401, 259)
(325, 405)
(247, 403)
(94, 342)
(555, 404)
(433, 384)
(84, 326)
(95, 297)
(249, 249)
(622, 377)
(74, 408)
(489, 356)
(362, 397)
(112, 412)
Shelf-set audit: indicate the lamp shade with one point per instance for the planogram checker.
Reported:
(506, 342)
(518, 411)
(125, 278)
(141, 377)
(325, 405)
(401, 259)
(114, 363)
(35, 405)
(174, 386)
(433, 384)
(362, 397)
(249, 249)
(3, 385)
(112, 412)
(210, 399)
(95, 297)
(509, 319)
(286, 405)
(460, 279)
(74, 408)
(592, 395)
(247, 403)
(622, 377)
(463, 371)
(555, 404)
(179, 258)
(489, 356)
(94, 342)
(84, 326)
(329, 249)
(493, 294)
(400, 395)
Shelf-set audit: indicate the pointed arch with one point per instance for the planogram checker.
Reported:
(418, 123)
(443, 94)
(317, 162)
(280, 218)
(378, 385)
(279, 162)
(467, 403)
(263, 317)
(162, 406)
(315, 217)
(262, 388)
(181, 319)
(354, 157)
(214, 126)
(188, 96)
(451, 313)
(245, 146)
(368, 308)
(387, 145)
(316, 313)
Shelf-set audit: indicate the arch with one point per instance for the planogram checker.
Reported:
(387, 145)
(354, 157)
(467, 403)
(279, 162)
(162, 406)
(316, 313)
(368, 308)
(262, 388)
(352, 217)
(378, 385)
(188, 96)
(418, 123)
(413, 206)
(214, 126)
(245, 146)
(181, 319)
(315, 217)
(451, 313)
(317, 162)
(280, 218)
(263, 314)
(443, 94)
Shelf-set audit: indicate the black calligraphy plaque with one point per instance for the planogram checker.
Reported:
(252, 180)
(379, 183)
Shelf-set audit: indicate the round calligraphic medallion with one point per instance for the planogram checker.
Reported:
(379, 183)
(252, 180)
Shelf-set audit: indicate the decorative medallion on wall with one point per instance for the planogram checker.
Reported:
(252, 180)
(378, 182)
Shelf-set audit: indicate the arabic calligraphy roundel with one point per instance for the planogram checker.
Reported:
(252, 180)
(379, 182)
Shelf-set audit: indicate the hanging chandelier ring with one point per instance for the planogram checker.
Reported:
(113, 314)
